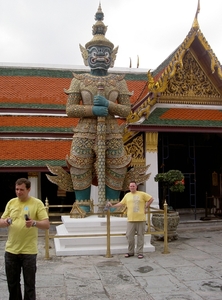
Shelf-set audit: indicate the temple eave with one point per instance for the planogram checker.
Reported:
(156, 128)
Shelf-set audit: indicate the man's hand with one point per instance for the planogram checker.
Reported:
(100, 101)
(28, 223)
(5, 222)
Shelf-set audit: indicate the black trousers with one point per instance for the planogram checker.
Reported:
(14, 263)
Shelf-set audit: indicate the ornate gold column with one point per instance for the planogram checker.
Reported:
(151, 141)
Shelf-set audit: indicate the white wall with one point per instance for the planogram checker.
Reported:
(34, 185)
(151, 185)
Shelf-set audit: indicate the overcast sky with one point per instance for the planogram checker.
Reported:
(50, 31)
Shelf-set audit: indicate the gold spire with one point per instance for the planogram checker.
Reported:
(195, 22)
(138, 61)
(130, 64)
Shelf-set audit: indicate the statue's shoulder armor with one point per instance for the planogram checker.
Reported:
(79, 76)
(88, 76)
(120, 77)
(75, 83)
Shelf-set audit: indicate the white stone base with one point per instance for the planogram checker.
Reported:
(93, 245)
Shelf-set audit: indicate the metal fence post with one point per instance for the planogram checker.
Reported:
(165, 250)
(108, 253)
(47, 232)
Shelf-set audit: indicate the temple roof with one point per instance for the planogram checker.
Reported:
(44, 89)
(32, 154)
(182, 120)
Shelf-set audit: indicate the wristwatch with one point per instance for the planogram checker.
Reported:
(34, 224)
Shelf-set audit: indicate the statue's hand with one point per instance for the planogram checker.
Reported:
(100, 111)
(100, 100)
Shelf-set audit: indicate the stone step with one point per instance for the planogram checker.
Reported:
(200, 224)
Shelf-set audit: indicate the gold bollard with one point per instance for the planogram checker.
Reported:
(47, 205)
(148, 221)
(47, 232)
(108, 253)
(47, 244)
(166, 250)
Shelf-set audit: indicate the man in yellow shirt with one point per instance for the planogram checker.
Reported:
(23, 216)
(136, 203)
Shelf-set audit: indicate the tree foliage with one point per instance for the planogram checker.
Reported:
(173, 179)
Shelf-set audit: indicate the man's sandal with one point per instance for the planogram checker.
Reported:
(128, 255)
(140, 256)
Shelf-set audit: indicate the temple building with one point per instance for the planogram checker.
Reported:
(175, 123)
(180, 121)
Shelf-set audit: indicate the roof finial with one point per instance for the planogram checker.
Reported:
(130, 64)
(195, 22)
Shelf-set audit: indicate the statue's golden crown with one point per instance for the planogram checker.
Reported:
(99, 31)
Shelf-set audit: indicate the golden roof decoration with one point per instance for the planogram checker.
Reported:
(176, 58)
(158, 80)
(195, 22)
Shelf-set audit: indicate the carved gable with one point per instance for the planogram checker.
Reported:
(135, 148)
(191, 82)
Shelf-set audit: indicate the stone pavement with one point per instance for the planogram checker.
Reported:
(192, 271)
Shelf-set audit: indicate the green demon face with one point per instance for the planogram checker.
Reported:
(99, 57)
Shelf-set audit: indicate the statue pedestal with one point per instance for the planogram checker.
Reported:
(93, 245)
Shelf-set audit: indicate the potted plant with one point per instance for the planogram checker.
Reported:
(172, 180)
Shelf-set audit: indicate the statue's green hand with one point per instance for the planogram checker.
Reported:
(100, 100)
(100, 111)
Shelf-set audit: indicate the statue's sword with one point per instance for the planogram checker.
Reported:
(101, 140)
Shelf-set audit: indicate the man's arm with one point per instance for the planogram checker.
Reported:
(43, 224)
(148, 203)
(109, 204)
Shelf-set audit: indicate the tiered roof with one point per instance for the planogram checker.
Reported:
(182, 120)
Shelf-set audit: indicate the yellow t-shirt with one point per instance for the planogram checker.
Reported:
(23, 240)
(135, 203)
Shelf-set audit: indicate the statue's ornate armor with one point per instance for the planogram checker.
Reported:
(97, 152)
(83, 153)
